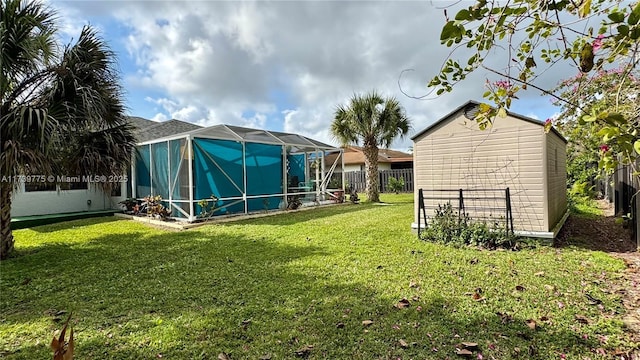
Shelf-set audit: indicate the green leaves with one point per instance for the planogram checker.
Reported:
(585, 9)
(634, 17)
(452, 32)
(636, 146)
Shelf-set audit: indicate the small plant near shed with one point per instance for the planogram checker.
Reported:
(395, 185)
(447, 227)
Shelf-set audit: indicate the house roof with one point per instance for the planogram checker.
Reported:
(163, 129)
(355, 155)
(140, 123)
(470, 106)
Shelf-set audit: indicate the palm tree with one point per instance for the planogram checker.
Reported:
(374, 122)
(61, 109)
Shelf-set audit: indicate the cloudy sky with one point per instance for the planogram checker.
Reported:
(280, 65)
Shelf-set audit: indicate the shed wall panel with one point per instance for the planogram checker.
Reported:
(556, 179)
(456, 154)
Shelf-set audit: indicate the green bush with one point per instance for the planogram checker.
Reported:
(447, 227)
(395, 185)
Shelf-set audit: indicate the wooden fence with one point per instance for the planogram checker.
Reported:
(358, 179)
(625, 194)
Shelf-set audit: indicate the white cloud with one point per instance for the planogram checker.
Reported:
(221, 62)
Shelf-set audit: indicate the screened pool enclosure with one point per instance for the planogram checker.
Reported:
(223, 170)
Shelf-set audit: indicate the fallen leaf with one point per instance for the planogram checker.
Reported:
(520, 288)
(540, 273)
(581, 319)
(505, 317)
(403, 343)
(592, 300)
(413, 284)
(473, 261)
(265, 357)
(304, 351)
(224, 356)
(403, 304)
(469, 345)
(463, 352)
(531, 324)
(544, 318)
(478, 297)
(340, 325)
(367, 322)
(550, 287)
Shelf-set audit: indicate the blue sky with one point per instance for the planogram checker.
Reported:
(280, 65)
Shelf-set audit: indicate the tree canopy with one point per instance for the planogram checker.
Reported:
(371, 121)
(61, 107)
(520, 40)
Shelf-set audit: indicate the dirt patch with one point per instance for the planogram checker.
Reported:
(604, 233)
(599, 233)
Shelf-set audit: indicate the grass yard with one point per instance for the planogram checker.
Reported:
(300, 285)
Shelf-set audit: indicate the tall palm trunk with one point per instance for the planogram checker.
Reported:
(6, 237)
(371, 167)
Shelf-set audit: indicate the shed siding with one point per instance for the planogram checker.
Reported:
(556, 179)
(456, 154)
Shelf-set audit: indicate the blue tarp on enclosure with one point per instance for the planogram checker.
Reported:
(245, 169)
(143, 171)
(296, 168)
(264, 174)
(160, 169)
(217, 168)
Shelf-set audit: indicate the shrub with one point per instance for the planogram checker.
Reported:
(155, 208)
(395, 185)
(447, 227)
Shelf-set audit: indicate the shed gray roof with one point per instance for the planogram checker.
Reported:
(161, 129)
(472, 103)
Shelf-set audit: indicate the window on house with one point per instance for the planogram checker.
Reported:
(38, 186)
(79, 185)
(116, 190)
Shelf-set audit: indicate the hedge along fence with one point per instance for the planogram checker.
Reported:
(358, 179)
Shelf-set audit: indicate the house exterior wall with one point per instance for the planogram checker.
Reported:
(556, 179)
(65, 201)
(360, 167)
(457, 155)
(351, 167)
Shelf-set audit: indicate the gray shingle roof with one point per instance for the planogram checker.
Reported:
(140, 123)
(158, 130)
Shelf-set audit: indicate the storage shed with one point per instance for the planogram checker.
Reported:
(224, 169)
(516, 153)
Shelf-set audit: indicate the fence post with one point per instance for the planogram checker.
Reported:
(509, 219)
(460, 206)
(421, 206)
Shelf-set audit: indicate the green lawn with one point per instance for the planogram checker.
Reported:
(268, 287)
